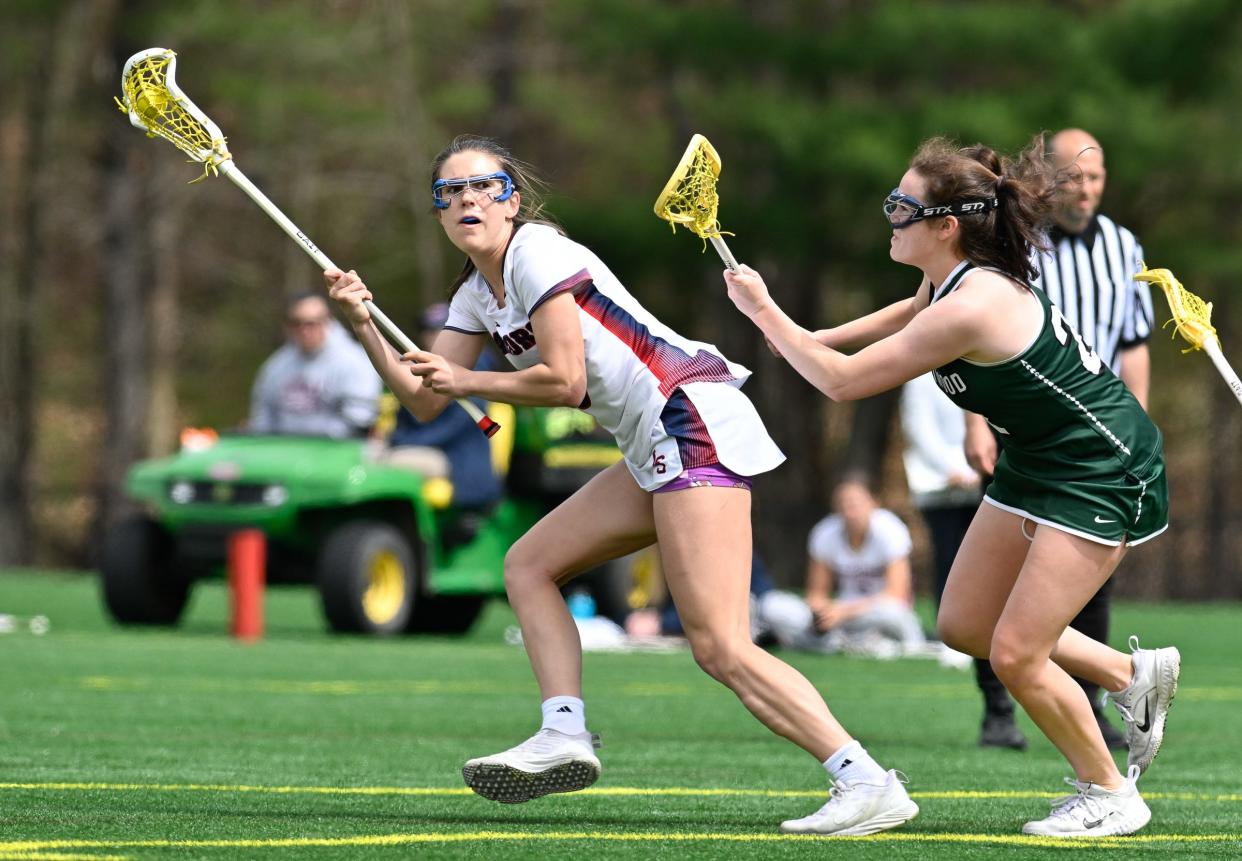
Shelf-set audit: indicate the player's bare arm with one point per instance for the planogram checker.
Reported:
(350, 292)
(932, 338)
(876, 325)
(1136, 371)
(558, 380)
(451, 352)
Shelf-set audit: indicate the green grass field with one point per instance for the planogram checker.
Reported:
(150, 744)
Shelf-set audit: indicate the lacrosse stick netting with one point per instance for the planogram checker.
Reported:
(1192, 319)
(689, 197)
(157, 105)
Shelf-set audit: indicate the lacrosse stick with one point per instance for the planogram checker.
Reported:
(1192, 319)
(156, 105)
(689, 197)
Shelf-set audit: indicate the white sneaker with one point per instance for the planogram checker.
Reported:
(873, 644)
(858, 808)
(1093, 811)
(954, 659)
(1144, 705)
(549, 761)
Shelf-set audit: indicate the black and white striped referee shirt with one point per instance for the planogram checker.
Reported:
(1090, 277)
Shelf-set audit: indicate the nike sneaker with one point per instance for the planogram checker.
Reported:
(1144, 705)
(858, 808)
(547, 762)
(1092, 811)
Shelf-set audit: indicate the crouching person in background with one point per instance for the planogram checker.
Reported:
(859, 590)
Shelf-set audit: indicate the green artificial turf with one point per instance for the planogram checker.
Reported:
(122, 743)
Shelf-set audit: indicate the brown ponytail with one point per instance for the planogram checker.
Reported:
(1005, 237)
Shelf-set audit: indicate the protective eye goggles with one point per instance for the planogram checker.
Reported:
(497, 186)
(902, 210)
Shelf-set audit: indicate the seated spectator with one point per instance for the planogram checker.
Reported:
(859, 591)
(320, 383)
(450, 445)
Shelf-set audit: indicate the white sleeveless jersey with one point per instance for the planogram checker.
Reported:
(634, 363)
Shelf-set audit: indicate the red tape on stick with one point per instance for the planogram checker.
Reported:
(247, 575)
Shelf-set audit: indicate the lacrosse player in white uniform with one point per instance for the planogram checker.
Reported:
(691, 443)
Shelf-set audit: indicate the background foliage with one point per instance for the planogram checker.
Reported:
(131, 304)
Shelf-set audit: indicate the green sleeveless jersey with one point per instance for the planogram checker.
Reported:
(1078, 451)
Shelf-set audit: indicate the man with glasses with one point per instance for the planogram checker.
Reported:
(320, 383)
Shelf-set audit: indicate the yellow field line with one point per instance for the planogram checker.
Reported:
(604, 791)
(58, 856)
(423, 687)
(13, 848)
(5, 855)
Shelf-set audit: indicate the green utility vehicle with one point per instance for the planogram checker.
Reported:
(387, 549)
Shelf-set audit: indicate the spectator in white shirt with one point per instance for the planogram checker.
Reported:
(859, 592)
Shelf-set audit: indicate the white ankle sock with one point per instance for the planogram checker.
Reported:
(852, 763)
(564, 714)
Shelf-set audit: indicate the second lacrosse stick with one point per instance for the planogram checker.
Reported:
(1192, 317)
(689, 197)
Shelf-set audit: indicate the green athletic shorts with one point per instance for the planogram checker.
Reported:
(1106, 504)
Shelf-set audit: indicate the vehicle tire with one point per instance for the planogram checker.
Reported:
(367, 579)
(140, 584)
(445, 614)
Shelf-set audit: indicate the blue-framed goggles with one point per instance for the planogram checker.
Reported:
(902, 210)
(498, 186)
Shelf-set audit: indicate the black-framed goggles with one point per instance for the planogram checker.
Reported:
(498, 186)
(902, 210)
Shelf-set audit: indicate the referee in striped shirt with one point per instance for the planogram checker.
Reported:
(1089, 275)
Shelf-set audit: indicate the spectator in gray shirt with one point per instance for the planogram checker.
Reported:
(320, 383)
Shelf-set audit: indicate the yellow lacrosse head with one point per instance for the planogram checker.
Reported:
(689, 197)
(1192, 317)
(156, 105)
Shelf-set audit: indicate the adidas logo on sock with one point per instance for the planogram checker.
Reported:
(847, 762)
(565, 709)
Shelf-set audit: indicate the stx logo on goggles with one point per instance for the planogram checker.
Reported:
(949, 209)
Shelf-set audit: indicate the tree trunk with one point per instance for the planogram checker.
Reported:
(126, 271)
(41, 128)
(505, 51)
(422, 142)
(164, 312)
(871, 436)
(22, 130)
(1220, 580)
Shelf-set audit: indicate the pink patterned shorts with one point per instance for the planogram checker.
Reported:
(709, 475)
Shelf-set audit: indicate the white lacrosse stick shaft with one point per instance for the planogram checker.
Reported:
(1211, 346)
(725, 254)
(387, 328)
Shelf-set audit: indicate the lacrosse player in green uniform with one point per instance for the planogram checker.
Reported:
(1080, 480)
